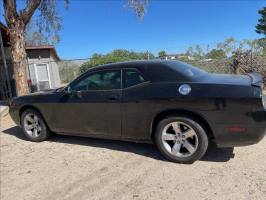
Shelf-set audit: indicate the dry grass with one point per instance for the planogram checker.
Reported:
(66, 167)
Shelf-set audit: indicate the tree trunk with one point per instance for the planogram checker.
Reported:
(18, 54)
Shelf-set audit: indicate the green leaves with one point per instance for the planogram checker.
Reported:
(216, 54)
(162, 54)
(118, 55)
(261, 26)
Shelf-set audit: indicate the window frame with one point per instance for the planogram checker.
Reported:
(86, 75)
(133, 86)
(37, 77)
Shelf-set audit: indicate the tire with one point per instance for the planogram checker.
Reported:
(181, 139)
(34, 126)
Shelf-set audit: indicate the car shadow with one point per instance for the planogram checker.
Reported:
(213, 154)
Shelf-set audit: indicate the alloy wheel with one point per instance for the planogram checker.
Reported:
(32, 125)
(180, 139)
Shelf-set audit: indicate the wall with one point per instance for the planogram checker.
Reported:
(43, 56)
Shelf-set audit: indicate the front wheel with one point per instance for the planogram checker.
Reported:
(181, 139)
(33, 126)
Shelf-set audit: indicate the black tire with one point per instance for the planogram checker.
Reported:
(202, 140)
(43, 134)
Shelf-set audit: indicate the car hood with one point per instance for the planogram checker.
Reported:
(36, 96)
(229, 79)
(44, 92)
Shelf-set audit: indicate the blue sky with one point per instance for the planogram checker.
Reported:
(101, 26)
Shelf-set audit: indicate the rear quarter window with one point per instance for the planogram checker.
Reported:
(186, 69)
(163, 73)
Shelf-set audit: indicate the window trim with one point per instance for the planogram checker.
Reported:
(137, 85)
(37, 77)
(96, 71)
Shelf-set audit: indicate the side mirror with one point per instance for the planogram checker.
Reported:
(68, 90)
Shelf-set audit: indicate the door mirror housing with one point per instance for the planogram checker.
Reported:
(68, 90)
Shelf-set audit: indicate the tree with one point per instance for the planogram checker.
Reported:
(68, 70)
(228, 45)
(162, 54)
(198, 54)
(139, 6)
(47, 20)
(216, 54)
(262, 45)
(117, 55)
(194, 53)
(190, 52)
(261, 26)
(17, 21)
(34, 37)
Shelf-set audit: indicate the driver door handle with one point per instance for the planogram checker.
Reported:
(114, 98)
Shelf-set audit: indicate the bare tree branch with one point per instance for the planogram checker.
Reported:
(27, 13)
(10, 11)
(139, 6)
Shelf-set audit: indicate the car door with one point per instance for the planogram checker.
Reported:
(135, 104)
(93, 105)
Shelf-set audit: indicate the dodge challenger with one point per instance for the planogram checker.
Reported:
(176, 106)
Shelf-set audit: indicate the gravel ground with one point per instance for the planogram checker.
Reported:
(82, 168)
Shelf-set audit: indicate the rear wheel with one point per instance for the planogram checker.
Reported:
(181, 139)
(33, 126)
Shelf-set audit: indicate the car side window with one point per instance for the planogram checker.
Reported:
(132, 77)
(102, 80)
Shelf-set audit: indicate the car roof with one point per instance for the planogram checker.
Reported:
(130, 63)
(156, 70)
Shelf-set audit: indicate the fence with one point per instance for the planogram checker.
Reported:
(71, 69)
(62, 72)
(7, 83)
(227, 66)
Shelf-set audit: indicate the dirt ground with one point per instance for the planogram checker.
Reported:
(82, 168)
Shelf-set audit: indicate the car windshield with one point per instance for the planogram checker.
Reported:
(186, 69)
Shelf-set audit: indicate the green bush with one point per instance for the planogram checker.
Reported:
(118, 55)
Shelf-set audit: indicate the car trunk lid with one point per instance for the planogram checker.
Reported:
(256, 79)
(227, 79)
(252, 79)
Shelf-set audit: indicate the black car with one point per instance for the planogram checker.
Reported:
(177, 106)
